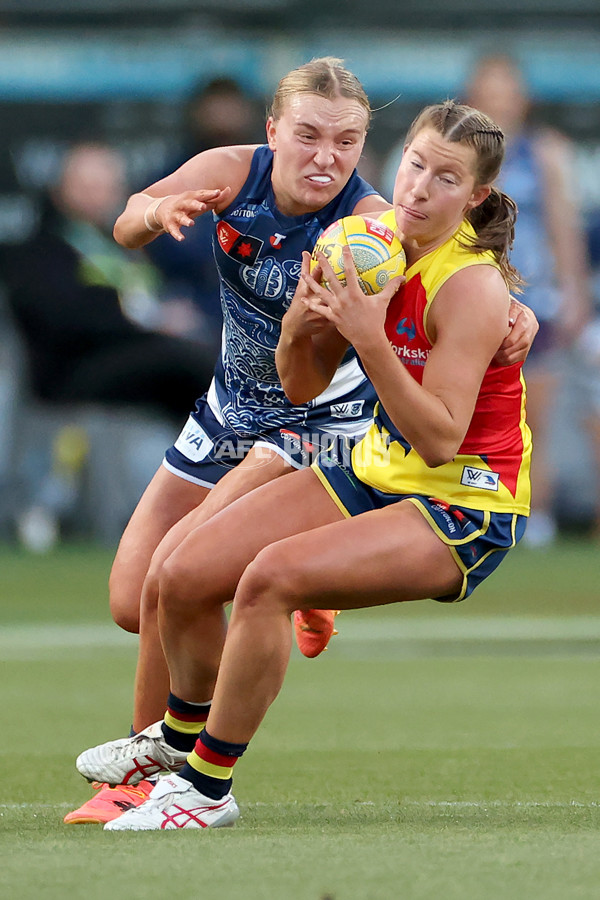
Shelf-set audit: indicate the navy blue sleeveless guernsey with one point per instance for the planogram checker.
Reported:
(258, 252)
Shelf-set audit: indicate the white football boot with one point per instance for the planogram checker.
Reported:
(129, 760)
(175, 803)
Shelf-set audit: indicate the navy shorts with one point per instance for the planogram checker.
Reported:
(478, 539)
(206, 449)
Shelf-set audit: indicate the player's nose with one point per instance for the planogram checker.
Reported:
(420, 186)
(324, 154)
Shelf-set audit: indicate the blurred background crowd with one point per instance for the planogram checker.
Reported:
(103, 351)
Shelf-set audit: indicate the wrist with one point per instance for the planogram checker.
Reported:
(290, 335)
(150, 221)
(371, 345)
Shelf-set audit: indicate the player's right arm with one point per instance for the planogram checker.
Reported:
(208, 181)
(310, 349)
(373, 205)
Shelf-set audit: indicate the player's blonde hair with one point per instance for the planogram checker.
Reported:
(494, 219)
(325, 76)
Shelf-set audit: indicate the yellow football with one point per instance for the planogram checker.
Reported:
(377, 252)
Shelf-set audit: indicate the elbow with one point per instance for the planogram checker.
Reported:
(118, 234)
(298, 390)
(296, 396)
(121, 237)
(434, 460)
(438, 454)
(290, 389)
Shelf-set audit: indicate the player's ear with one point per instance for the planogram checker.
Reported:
(479, 195)
(271, 131)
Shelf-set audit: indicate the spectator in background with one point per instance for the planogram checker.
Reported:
(588, 369)
(549, 251)
(216, 114)
(87, 309)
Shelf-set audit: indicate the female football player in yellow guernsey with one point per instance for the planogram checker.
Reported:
(426, 505)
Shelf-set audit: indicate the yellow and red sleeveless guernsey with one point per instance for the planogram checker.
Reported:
(491, 470)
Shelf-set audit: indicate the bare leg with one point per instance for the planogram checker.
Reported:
(166, 500)
(152, 680)
(203, 571)
(395, 557)
(313, 559)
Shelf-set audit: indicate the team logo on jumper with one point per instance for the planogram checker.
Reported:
(276, 240)
(350, 410)
(480, 478)
(240, 247)
(266, 278)
(407, 327)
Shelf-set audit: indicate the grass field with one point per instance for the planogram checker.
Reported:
(433, 752)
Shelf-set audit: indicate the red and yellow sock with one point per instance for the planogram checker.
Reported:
(183, 722)
(210, 765)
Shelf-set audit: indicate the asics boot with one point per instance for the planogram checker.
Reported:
(130, 760)
(175, 803)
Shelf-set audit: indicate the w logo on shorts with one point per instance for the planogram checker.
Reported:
(480, 478)
(349, 410)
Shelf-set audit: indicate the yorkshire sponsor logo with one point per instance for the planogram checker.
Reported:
(412, 357)
(350, 410)
(480, 478)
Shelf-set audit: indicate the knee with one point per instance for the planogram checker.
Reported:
(152, 587)
(124, 607)
(128, 609)
(273, 580)
(125, 589)
(179, 591)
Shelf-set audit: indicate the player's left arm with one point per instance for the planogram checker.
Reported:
(467, 323)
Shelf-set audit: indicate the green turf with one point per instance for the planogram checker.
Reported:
(385, 770)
